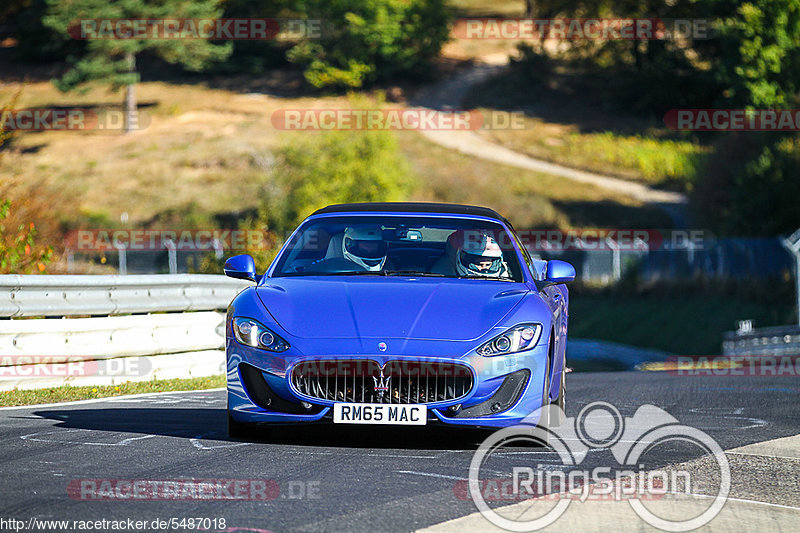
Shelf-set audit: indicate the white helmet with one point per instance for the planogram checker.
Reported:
(477, 254)
(365, 246)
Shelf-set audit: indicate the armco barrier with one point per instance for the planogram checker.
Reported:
(108, 317)
(58, 296)
(780, 340)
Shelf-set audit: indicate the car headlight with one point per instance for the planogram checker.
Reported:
(252, 333)
(517, 339)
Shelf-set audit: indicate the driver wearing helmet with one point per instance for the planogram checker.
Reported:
(476, 253)
(365, 247)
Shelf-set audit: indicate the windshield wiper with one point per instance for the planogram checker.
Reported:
(474, 276)
(351, 273)
(413, 273)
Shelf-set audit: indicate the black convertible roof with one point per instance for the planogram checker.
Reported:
(413, 207)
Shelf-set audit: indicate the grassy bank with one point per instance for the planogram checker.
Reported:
(68, 393)
(566, 122)
(207, 154)
(682, 323)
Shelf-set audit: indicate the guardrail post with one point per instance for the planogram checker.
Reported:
(172, 254)
(123, 258)
(792, 244)
(616, 259)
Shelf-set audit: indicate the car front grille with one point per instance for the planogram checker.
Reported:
(398, 382)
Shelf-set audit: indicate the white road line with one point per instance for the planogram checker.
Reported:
(430, 474)
(106, 399)
(197, 442)
(400, 456)
(742, 500)
(123, 442)
(764, 455)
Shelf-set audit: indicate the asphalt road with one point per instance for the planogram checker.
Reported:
(344, 478)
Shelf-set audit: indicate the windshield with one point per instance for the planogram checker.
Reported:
(401, 245)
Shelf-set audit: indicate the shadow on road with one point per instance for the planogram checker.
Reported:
(210, 424)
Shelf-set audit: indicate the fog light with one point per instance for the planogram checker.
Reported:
(306, 405)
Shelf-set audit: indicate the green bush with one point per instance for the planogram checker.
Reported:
(315, 170)
(370, 40)
(19, 253)
(751, 185)
(758, 56)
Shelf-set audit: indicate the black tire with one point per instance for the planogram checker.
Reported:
(544, 421)
(561, 401)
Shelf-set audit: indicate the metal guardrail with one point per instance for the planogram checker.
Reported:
(111, 336)
(86, 295)
(172, 343)
(779, 340)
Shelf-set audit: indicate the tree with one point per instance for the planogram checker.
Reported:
(750, 185)
(331, 167)
(113, 61)
(759, 53)
(369, 40)
(752, 181)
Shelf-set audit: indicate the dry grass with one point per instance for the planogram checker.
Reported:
(203, 146)
(529, 199)
(634, 157)
(482, 8)
(208, 152)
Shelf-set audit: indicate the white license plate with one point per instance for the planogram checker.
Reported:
(380, 413)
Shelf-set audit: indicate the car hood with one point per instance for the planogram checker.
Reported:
(419, 308)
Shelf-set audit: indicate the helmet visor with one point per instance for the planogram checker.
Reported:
(481, 264)
(366, 249)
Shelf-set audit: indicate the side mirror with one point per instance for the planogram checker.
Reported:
(240, 267)
(559, 272)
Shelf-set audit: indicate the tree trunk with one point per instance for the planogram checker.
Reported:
(529, 7)
(131, 108)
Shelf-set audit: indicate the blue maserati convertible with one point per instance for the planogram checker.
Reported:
(397, 313)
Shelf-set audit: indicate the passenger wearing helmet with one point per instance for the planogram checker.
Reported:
(472, 253)
(365, 247)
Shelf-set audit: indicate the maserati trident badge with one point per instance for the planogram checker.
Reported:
(381, 384)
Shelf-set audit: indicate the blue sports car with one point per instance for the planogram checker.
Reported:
(397, 313)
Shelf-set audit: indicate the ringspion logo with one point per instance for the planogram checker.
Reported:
(598, 426)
